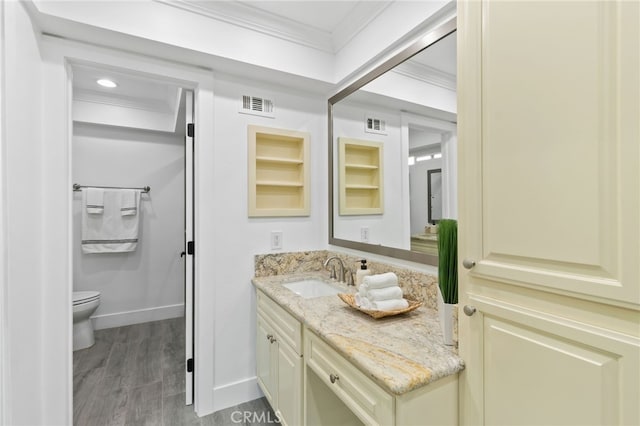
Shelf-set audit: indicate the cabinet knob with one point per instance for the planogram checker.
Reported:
(333, 378)
(469, 310)
(273, 340)
(269, 337)
(468, 263)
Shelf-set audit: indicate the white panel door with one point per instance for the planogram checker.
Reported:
(549, 190)
(189, 283)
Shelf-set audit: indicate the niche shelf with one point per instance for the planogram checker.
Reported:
(278, 172)
(360, 177)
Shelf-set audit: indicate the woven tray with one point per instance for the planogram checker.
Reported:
(350, 299)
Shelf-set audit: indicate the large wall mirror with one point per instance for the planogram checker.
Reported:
(392, 152)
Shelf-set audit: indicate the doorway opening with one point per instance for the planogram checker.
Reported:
(432, 184)
(132, 131)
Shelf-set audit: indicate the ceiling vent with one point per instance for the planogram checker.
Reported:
(375, 125)
(257, 106)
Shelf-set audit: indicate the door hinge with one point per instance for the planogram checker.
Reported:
(190, 248)
(190, 130)
(190, 365)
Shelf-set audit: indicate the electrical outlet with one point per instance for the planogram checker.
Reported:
(276, 240)
(364, 234)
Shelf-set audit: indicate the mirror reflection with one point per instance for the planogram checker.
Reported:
(394, 155)
(434, 195)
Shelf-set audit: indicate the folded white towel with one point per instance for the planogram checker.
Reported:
(381, 305)
(110, 232)
(363, 302)
(93, 200)
(390, 305)
(130, 201)
(388, 279)
(384, 293)
(363, 289)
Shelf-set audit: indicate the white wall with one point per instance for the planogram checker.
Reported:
(146, 284)
(238, 238)
(385, 228)
(22, 203)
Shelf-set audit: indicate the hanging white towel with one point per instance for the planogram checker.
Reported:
(130, 200)
(93, 200)
(111, 232)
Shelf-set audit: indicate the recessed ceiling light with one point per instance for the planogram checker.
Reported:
(106, 83)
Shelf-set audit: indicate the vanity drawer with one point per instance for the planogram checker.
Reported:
(286, 325)
(363, 397)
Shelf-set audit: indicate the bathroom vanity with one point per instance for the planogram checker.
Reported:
(320, 362)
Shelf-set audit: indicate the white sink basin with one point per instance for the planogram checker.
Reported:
(311, 288)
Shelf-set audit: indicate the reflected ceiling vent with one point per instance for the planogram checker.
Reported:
(257, 106)
(375, 125)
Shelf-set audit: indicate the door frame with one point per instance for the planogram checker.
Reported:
(58, 54)
(4, 356)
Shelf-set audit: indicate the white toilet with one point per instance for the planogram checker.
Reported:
(84, 305)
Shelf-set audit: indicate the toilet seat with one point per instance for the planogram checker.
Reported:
(80, 297)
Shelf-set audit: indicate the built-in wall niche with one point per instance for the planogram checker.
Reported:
(360, 168)
(278, 172)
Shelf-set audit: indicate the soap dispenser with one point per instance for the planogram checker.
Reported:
(362, 272)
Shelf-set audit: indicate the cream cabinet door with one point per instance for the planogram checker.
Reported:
(266, 360)
(549, 189)
(289, 385)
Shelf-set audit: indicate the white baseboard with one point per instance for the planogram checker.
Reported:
(236, 393)
(120, 319)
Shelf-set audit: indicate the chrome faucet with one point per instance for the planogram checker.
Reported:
(345, 274)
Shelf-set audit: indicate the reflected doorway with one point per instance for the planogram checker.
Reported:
(434, 195)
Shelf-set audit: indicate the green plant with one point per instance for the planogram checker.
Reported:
(448, 260)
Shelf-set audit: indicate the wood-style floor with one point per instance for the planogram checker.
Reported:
(134, 375)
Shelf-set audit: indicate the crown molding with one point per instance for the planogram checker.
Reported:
(356, 20)
(427, 74)
(251, 18)
(254, 19)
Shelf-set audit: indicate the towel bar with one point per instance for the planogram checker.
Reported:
(77, 187)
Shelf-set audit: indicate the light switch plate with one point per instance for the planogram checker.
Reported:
(276, 240)
(364, 234)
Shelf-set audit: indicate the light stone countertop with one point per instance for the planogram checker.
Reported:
(401, 353)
